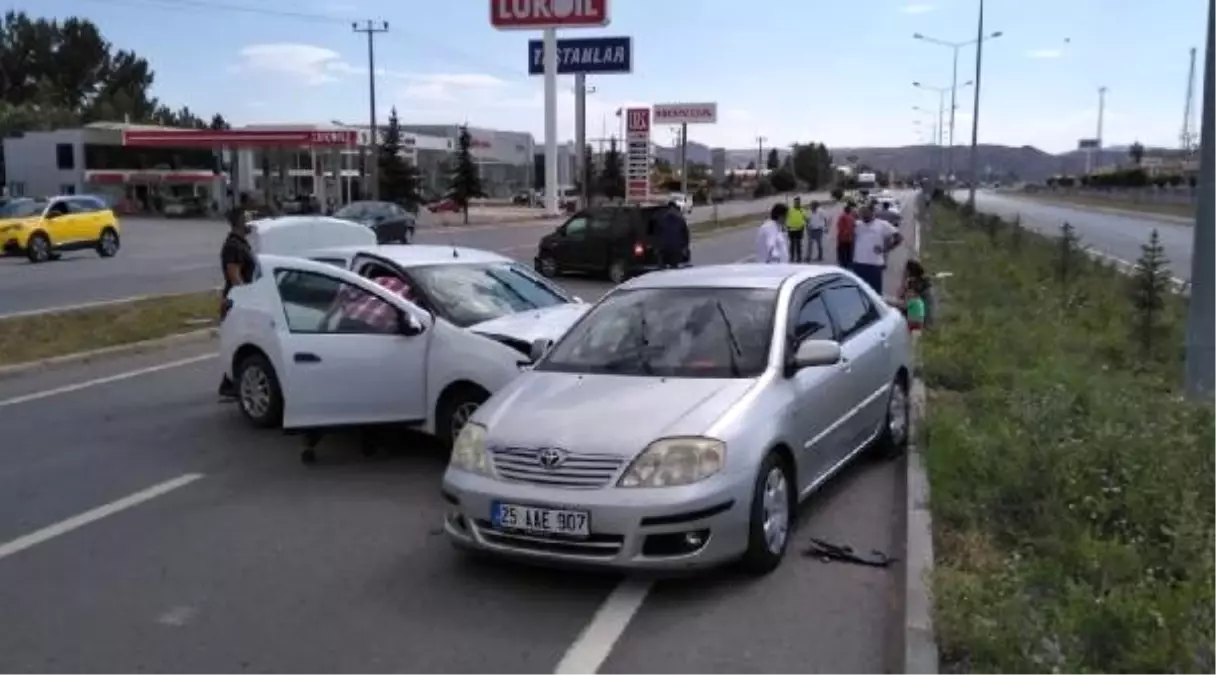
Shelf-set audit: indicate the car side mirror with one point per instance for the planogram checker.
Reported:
(811, 353)
(540, 347)
(409, 325)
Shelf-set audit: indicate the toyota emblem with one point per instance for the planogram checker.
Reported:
(551, 458)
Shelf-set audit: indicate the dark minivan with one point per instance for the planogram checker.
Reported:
(616, 241)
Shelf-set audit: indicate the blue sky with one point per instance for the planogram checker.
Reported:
(790, 70)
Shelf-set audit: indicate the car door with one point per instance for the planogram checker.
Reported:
(865, 361)
(87, 217)
(59, 225)
(345, 358)
(819, 413)
(571, 243)
(599, 246)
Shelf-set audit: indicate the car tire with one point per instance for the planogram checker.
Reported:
(108, 243)
(618, 272)
(258, 393)
(546, 266)
(38, 249)
(773, 490)
(455, 409)
(896, 432)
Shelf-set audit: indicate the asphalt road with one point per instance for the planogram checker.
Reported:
(177, 256)
(219, 552)
(1118, 235)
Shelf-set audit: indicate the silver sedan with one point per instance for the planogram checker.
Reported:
(680, 422)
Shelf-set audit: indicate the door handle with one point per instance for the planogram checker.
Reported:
(306, 357)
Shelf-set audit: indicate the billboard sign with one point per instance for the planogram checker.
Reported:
(686, 113)
(1088, 144)
(637, 157)
(539, 14)
(598, 55)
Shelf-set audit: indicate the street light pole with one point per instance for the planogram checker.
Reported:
(1199, 370)
(373, 159)
(975, 112)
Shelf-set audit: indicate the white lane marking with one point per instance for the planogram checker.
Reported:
(595, 643)
(78, 521)
(118, 377)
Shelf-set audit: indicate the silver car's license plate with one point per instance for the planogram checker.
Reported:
(542, 521)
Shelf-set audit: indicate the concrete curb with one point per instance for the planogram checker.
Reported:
(192, 337)
(920, 653)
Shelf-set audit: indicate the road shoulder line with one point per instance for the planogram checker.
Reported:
(595, 643)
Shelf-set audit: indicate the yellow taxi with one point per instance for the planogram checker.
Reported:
(41, 229)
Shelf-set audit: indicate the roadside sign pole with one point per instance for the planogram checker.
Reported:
(684, 161)
(551, 202)
(580, 138)
(1200, 343)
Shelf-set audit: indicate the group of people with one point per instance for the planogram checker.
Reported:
(865, 236)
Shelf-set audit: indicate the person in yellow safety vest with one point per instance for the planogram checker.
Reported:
(795, 224)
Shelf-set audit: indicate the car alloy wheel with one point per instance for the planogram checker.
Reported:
(256, 394)
(39, 248)
(617, 273)
(547, 266)
(898, 421)
(776, 505)
(461, 415)
(108, 246)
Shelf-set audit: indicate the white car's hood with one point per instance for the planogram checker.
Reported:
(549, 323)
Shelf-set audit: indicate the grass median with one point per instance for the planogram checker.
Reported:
(40, 336)
(1071, 484)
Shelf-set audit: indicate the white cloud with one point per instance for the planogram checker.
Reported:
(308, 65)
(1045, 53)
(917, 8)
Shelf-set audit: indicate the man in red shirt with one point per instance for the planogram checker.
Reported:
(846, 224)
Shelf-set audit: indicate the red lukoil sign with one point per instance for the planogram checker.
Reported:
(537, 14)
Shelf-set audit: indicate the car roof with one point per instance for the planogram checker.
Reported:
(738, 275)
(416, 255)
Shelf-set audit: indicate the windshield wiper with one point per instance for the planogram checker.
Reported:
(734, 351)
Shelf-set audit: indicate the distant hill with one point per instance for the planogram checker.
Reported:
(1025, 163)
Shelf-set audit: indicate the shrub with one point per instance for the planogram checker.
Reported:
(783, 180)
(1071, 485)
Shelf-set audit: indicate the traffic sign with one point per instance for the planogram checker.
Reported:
(598, 55)
(539, 14)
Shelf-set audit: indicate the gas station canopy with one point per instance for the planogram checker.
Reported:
(238, 138)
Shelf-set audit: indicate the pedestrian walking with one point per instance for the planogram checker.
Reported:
(772, 244)
(846, 223)
(817, 224)
(873, 239)
(795, 226)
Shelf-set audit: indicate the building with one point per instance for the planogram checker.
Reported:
(504, 158)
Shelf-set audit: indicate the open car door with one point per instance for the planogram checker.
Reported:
(353, 352)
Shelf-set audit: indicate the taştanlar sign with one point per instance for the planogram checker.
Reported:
(598, 55)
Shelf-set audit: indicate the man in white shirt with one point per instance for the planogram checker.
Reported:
(873, 238)
(772, 246)
(817, 225)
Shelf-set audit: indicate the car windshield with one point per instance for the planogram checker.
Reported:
(23, 208)
(470, 294)
(671, 332)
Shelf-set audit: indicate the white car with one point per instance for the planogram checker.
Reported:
(365, 335)
(681, 200)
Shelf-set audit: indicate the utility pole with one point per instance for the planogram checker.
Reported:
(580, 138)
(371, 28)
(760, 156)
(1187, 137)
(973, 160)
(1101, 118)
(1200, 363)
(684, 160)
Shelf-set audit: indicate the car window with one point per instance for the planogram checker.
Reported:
(469, 294)
(351, 211)
(81, 205)
(576, 227)
(317, 303)
(671, 332)
(812, 321)
(60, 207)
(852, 309)
(600, 224)
(23, 208)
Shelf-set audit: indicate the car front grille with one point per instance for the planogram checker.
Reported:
(578, 470)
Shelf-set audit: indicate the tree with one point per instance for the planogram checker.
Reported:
(218, 123)
(1150, 285)
(612, 178)
(464, 182)
(783, 180)
(587, 178)
(398, 177)
(774, 160)
(1136, 152)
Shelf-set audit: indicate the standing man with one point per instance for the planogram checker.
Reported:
(673, 237)
(889, 213)
(772, 246)
(795, 225)
(845, 225)
(817, 225)
(873, 239)
(237, 264)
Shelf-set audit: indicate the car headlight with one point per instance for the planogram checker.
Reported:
(469, 450)
(675, 461)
